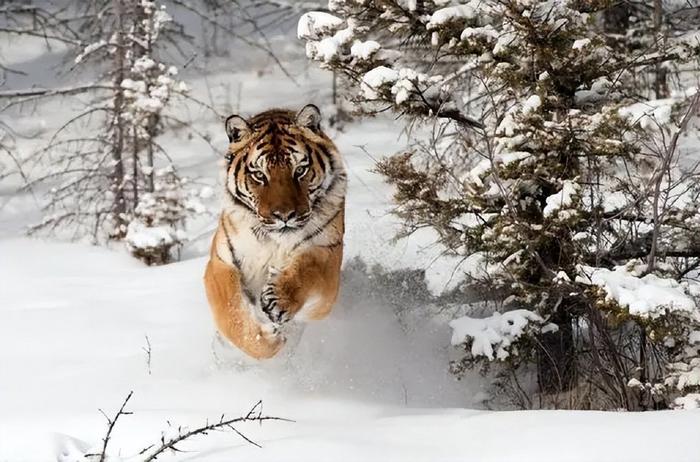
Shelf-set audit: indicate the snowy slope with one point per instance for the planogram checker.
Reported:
(73, 321)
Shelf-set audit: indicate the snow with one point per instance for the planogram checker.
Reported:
(505, 40)
(690, 376)
(580, 44)
(316, 24)
(373, 80)
(353, 387)
(532, 104)
(561, 200)
(561, 277)
(136, 86)
(89, 50)
(648, 296)
(405, 85)
(508, 125)
(144, 64)
(488, 32)
(82, 343)
(649, 114)
(689, 401)
(364, 50)
(139, 235)
(694, 337)
(450, 14)
(475, 174)
(329, 48)
(368, 383)
(497, 332)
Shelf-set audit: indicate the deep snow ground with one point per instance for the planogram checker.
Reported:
(73, 324)
(73, 321)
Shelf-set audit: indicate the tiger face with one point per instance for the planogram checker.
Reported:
(280, 167)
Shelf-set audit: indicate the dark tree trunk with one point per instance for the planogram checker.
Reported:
(556, 360)
(616, 19)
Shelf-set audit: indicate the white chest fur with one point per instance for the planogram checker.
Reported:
(254, 255)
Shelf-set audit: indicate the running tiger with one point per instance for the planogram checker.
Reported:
(277, 251)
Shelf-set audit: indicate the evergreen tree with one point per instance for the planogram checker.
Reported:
(553, 173)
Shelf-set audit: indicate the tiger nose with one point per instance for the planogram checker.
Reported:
(285, 216)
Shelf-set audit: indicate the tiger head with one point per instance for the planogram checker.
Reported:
(282, 167)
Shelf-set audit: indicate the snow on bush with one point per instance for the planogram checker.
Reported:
(689, 401)
(475, 176)
(364, 50)
(581, 43)
(649, 114)
(140, 236)
(147, 92)
(329, 48)
(487, 33)
(374, 80)
(449, 14)
(493, 337)
(316, 24)
(532, 103)
(562, 200)
(648, 296)
(156, 230)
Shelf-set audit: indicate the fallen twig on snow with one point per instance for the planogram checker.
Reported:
(169, 443)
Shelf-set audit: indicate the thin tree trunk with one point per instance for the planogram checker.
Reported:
(643, 404)
(152, 123)
(118, 180)
(135, 169)
(661, 77)
(152, 128)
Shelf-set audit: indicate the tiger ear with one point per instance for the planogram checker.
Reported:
(309, 117)
(236, 128)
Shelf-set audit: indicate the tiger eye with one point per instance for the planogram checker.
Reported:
(259, 176)
(301, 170)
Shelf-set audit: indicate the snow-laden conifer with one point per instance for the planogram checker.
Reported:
(556, 164)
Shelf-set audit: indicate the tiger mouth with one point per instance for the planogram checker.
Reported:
(282, 227)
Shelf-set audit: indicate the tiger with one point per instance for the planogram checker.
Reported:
(278, 247)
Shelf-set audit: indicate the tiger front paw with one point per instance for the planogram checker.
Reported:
(272, 306)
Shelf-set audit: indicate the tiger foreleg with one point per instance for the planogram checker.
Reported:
(234, 319)
(304, 289)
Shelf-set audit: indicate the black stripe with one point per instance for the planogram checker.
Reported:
(329, 188)
(247, 293)
(236, 170)
(317, 231)
(320, 160)
(259, 232)
(330, 246)
(241, 193)
(238, 201)
(234, 259)
(327, 154)
(241, 187)
(236, 167)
